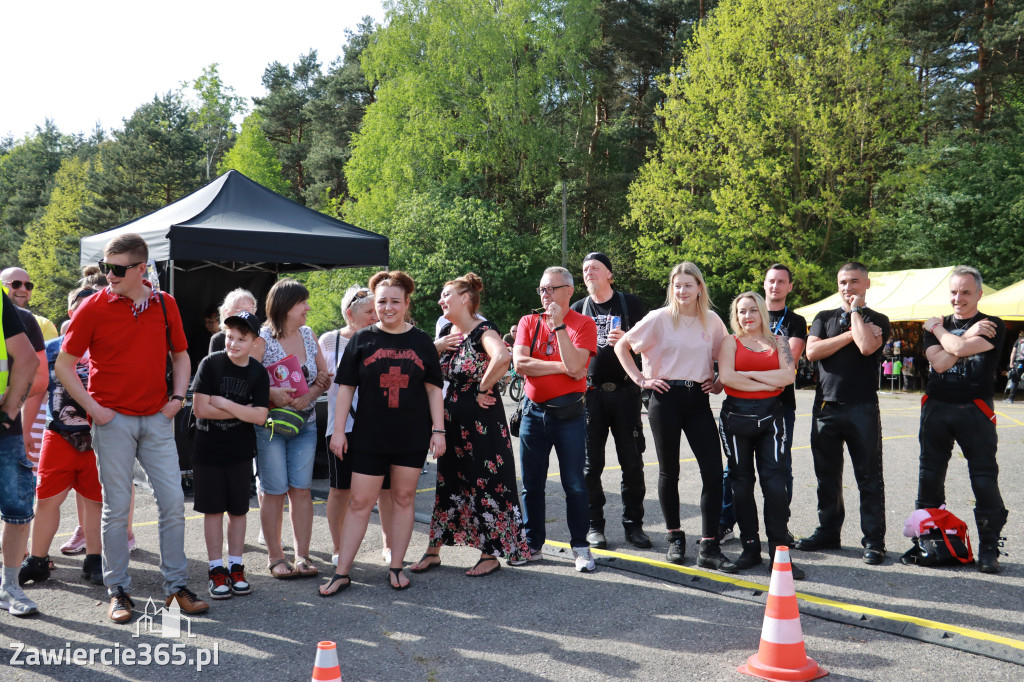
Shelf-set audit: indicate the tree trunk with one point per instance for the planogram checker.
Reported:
(982, 90)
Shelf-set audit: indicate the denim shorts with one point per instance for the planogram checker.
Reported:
(285, 463)
(17, 482)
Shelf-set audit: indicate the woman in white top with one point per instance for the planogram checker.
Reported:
(358, 310)
(679, 345)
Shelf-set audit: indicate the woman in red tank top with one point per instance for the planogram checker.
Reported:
(755, 365)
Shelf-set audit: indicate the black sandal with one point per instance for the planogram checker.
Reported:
(336, 578)
(481, 575)
(398, 579)
(429, 565)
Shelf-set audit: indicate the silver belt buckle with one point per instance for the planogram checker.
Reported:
(688, 383)
(609, 386)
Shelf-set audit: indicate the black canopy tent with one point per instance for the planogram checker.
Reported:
(233, 233)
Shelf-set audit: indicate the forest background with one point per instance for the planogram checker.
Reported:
(734, 133)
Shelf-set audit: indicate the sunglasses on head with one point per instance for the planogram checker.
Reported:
(84, 293)
(117, 270)
(359, 296)
(17, 284)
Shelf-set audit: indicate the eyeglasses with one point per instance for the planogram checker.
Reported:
(117, 270)
(359, 296)
(15, 284)
(551, 290)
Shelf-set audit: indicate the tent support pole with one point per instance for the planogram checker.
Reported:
(170, 277)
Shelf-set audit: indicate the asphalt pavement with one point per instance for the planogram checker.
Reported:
(634, 618)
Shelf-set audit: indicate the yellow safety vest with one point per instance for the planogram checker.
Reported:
(4, 364)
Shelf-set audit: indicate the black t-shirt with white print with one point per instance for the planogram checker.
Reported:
(971, 377)
(228, 441)
(605, 366)
(390, 371)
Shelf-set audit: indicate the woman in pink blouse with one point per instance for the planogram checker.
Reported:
(679, 345)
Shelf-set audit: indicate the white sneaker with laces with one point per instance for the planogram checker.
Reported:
(17, 604)
(584, 559)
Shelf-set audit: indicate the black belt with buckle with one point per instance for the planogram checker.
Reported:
(607, 386)
(683, 382)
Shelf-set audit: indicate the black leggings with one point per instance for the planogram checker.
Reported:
(687, 409)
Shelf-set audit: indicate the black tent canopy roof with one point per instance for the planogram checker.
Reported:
(236, 224)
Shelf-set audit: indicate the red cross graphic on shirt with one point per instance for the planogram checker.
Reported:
(393, 381)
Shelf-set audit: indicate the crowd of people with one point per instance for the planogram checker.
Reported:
(397, 395)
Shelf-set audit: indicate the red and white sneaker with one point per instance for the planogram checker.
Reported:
(239, 585)
(76, 544)
(220, 587)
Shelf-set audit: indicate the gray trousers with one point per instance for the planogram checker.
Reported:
(117, 444)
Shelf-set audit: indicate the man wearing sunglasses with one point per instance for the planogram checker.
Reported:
(552, 350)
(19, 289)
(125, 329)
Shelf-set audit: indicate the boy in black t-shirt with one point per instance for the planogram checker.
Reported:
(231, 393)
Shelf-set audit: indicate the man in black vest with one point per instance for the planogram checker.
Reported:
(613, 403)
(846, 342)
(964, 350)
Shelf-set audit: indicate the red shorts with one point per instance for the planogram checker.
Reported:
(62, 467)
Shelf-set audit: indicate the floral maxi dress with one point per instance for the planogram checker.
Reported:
(477, 501)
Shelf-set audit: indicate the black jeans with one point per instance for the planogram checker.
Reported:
(618, 411)
(859, 426)
(687, 410)
(966, 423)
(754, 432)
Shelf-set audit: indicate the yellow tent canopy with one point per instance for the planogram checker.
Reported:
(1006, 303)
(905, 295)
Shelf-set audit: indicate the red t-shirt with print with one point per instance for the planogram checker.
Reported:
(583, 334)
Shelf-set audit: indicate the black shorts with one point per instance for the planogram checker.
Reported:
(339, 471)
(220, 489)
(380, 463)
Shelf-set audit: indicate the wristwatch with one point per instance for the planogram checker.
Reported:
(181, 398)
(856, 309)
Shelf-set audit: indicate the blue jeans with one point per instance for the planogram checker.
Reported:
(17, 482)
(537, 434)
(286, 463)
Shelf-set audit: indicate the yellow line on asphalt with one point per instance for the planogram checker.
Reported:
(814, 599)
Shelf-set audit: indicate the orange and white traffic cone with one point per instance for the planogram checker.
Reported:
(781, 655)
(325, 667)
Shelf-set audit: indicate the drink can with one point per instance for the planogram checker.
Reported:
(616, 322)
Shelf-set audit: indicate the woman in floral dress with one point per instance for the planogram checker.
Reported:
(477, 501)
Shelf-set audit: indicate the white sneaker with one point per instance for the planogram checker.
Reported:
(334, 559)
(17, 604)
(584, 559)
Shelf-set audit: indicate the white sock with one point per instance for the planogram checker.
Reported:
(232, 560)
(10, 576)
(216, 563)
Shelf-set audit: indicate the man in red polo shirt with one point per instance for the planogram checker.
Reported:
(128, 330)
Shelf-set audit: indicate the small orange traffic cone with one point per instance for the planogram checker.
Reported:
(325, 667)
(781, 655)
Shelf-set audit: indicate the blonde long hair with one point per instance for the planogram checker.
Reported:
(703, 300)
(762, 309)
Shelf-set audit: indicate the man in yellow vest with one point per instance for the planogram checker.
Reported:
(18, 363)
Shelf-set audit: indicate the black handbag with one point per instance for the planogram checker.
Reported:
(517, 417)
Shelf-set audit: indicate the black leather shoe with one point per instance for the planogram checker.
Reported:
(676, 547)
(874, 555)
(596, 539)
(751, 555)
(636, 536)
(816, 542)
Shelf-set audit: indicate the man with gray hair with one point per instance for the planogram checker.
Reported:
(552, 350)
(964, 350)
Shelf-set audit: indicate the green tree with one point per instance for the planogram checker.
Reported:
(782, 137)
(218, 104)
(155, 159)
(254, 156)
(335, 117)
(52, 242)
(27, 171)
(286, 116)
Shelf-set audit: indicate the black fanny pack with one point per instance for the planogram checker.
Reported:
(79, 440)
(564, 407)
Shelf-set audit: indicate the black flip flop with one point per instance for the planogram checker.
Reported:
(336, 578)
(398, 573)
(481, 575)
(428, 566)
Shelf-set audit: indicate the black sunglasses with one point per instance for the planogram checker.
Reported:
(359, 296)
(17, 284)
(84, 293)
(117, 270)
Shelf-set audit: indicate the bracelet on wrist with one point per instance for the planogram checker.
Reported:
(438, 431)
(559, 327)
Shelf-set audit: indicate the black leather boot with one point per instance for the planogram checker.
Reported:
(751, 555)
(710, 556)
(989, 541)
